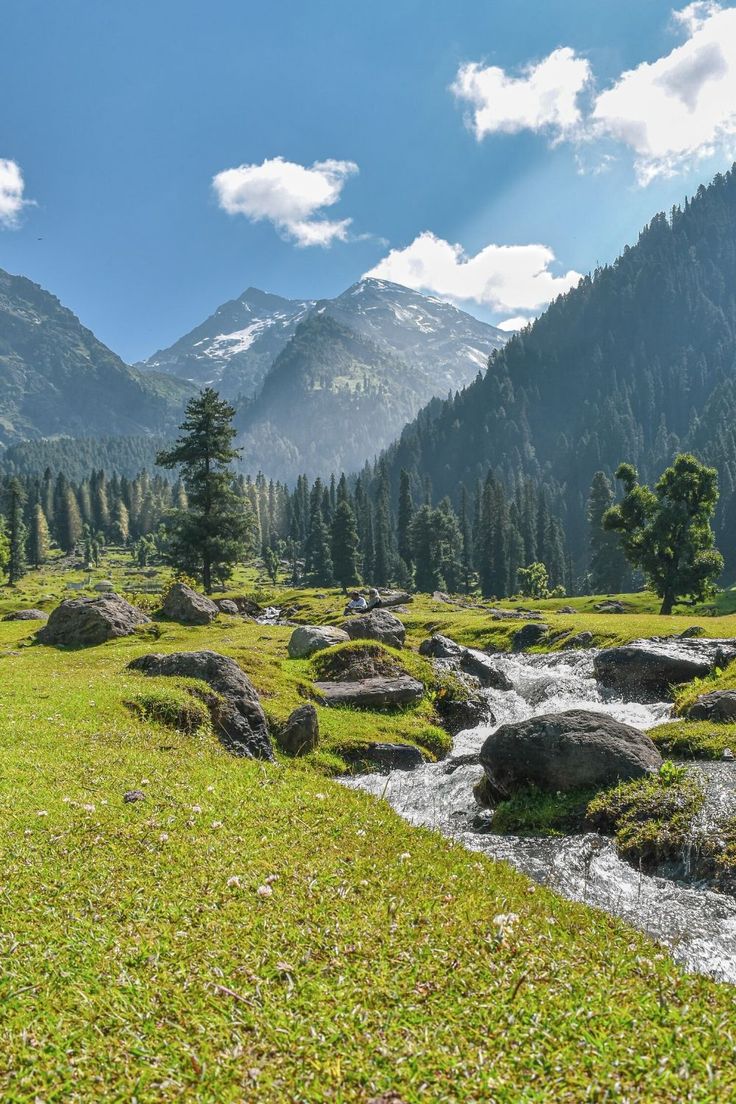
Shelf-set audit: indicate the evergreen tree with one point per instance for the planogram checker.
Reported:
(317, 555)
(406, 510)
(667, 532)
(214, 534)
(344, 539)
(38, 537)
(16, 530)
(68, 520)
(608, 568)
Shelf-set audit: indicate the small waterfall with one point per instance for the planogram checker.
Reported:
(697, 924)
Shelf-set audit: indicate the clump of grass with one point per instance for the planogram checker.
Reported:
(358, 659)
(532, 812)
(175, 708)
(694, 739)
(650, 818)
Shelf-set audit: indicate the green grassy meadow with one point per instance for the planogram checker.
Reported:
(252, 932)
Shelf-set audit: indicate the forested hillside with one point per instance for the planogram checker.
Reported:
(637, 361)
(56, 377)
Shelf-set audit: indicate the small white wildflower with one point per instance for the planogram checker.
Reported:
(264, 891)
(163, 837)
(42, 812)
(66, 800)
(28, 832)
(196, 808)
(271, 878)
(217, 824)
(210, 789)
(89, 807)
(145, 782)
(234, 881)
(404, 856)
(504, 923)
(320, 796)
(360, 832)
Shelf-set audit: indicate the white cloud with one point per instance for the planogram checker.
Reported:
(681, 107)
(11, 193)
(289, 195)
(513, 325)
(670, 112)
(502, 277)
(544, 97)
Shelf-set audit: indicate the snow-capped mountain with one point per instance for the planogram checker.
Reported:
(234, 348)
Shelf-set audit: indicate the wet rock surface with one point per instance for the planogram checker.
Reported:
(236, 712)
(79, 622)
(385, 757)
(528, 636)
(565, 751)
(649, 668)
(718, 706)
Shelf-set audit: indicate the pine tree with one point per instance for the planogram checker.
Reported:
(344, 539)
(608, 567)
(317, 555)
(16, 530)
(406, 510)
(214, 534)
(38, 537)
(68, 520)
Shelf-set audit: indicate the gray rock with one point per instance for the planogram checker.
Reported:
(133, 795)
(438, 646)
(26, 615)
(651, 667)
(529, 635)
(186, 606)
(567, 609)
(457, 715)
(385, 757)
(378, 625)
(691, 632)
(394, 598)
(300, 734)
(105, 586)
(81, 621)
(236, 712)
(307, 639)
(225, 605)
(565, 751)
(610, 606)
(580, 640)
(480, 666)
(371, 693)
(718, 706)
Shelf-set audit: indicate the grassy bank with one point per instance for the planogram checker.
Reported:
(259, 933)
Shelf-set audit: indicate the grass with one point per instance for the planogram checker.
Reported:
(532, 812)
(142, 957)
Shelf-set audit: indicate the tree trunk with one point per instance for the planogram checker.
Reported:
(668, 601)
(207, 577)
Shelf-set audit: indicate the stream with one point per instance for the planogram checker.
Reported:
(695, 923)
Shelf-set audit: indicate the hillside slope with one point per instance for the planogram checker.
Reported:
(57, 378)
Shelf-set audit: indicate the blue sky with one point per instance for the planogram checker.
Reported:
(475, 125)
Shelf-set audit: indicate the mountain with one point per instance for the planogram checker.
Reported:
(234, 348)
(356, 369)
(636, 363)
(57, 378)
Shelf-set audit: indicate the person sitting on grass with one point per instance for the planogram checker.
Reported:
(357, 604)
(374, 599)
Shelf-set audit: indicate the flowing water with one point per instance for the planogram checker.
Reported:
(697, 924)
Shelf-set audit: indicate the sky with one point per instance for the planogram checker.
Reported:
(157, 158)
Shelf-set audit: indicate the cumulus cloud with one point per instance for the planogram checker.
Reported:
(11, 193)
(513, 325)
(289, 195)
(502, 277)
(544, 97)
(681, 107)
(669, 112)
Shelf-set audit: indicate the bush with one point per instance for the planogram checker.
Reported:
(175, 709)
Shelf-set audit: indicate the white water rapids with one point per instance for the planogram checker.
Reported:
(695, 923)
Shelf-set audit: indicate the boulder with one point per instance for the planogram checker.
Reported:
(371, 693)
(565, 751)
(186, 606)
(104, 586)
(458, 714)
(364, 659)
(378, 625)
(300, 734)
(395, 598)
(719, 706)
(610, 606)
(529, 635)
(580, 640)
(26, 615)
(307, 639)
(385, 757)
(651, 667)
(226, 605)
(438, 646)
(236, 711)
(476, 664)
(567, 609)
(81, 621)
